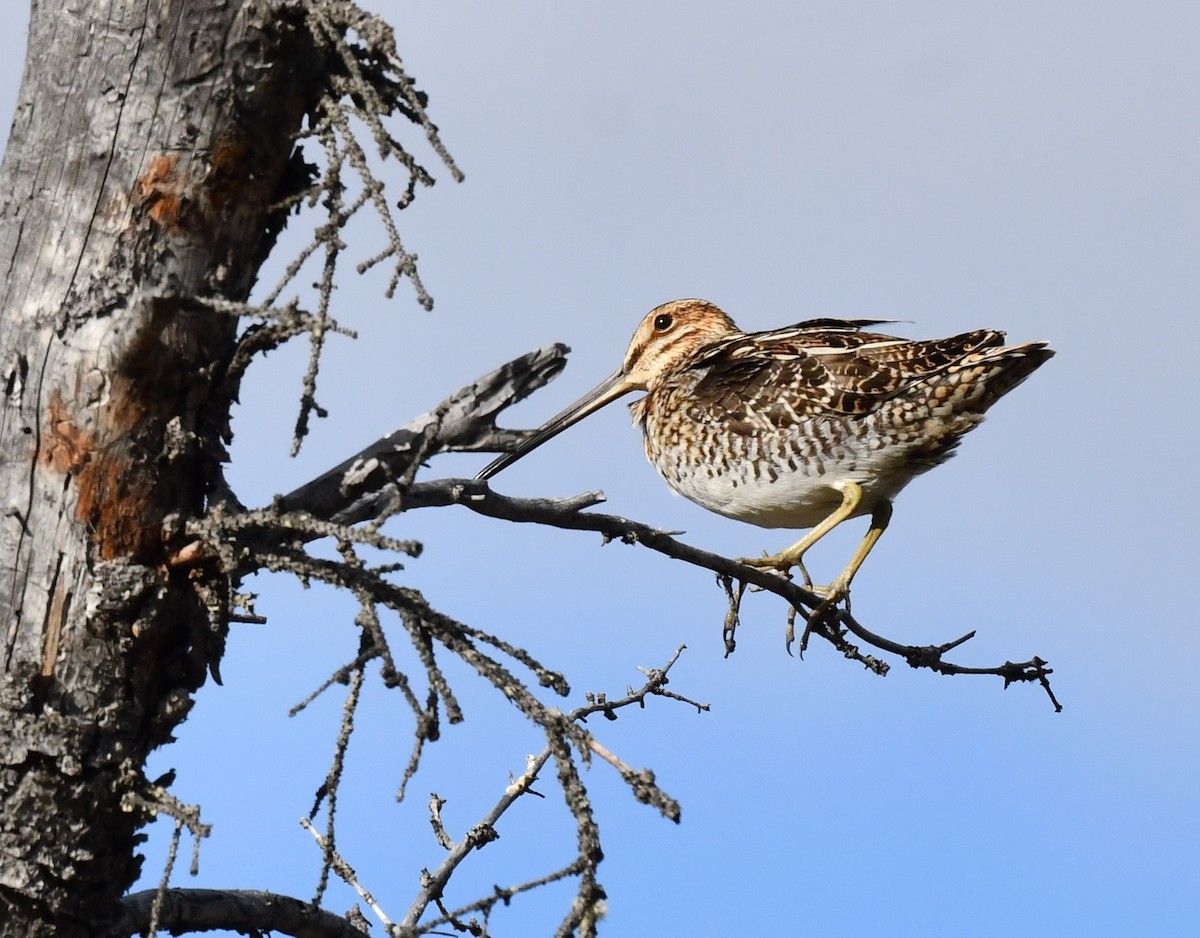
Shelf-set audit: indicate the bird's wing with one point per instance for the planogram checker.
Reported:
(782, 376)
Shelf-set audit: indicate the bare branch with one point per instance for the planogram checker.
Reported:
(199, 910)
(359, 487)
(328, 792)
(832, 624)
(436, 804)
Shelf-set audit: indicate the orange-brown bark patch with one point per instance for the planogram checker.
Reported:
(113, 489)
(160, 190)
(65, 448)
(116, 499)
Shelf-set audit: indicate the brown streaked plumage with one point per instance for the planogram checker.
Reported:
(801, 427)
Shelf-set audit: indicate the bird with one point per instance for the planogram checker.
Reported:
(802, 427)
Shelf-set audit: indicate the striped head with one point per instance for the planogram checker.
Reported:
(669, 334)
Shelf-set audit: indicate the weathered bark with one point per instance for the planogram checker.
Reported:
(150, 141)
(200, 910)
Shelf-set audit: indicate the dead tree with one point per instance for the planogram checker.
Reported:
(152, 162)
(156, 154)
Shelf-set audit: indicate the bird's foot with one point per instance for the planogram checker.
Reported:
(821, 613)
(830, 595)
(782, 563)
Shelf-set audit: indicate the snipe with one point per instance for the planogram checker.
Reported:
(801, 427)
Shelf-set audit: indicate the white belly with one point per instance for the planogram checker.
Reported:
(789, 501)
(778, 482)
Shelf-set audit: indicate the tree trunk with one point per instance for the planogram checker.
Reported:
(149, 145)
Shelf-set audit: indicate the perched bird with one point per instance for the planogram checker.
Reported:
(801, 427)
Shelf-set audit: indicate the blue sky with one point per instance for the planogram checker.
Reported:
(1025, 166)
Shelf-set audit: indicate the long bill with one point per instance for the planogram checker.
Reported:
(608, 390)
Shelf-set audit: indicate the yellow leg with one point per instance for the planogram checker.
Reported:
(841, 586)
(786, 559)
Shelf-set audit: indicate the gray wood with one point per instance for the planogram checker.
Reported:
(149, 142)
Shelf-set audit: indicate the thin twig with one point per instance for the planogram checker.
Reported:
(346, 872)
(433, 884)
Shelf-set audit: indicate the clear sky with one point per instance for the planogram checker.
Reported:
(1029, 166)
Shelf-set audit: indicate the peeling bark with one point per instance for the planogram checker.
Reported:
(149, 145)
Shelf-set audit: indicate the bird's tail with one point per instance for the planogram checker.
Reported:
(998, 370)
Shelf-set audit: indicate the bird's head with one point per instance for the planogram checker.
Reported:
(669, 334)
(666, 336)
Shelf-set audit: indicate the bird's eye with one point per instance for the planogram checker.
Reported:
(664, 322)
